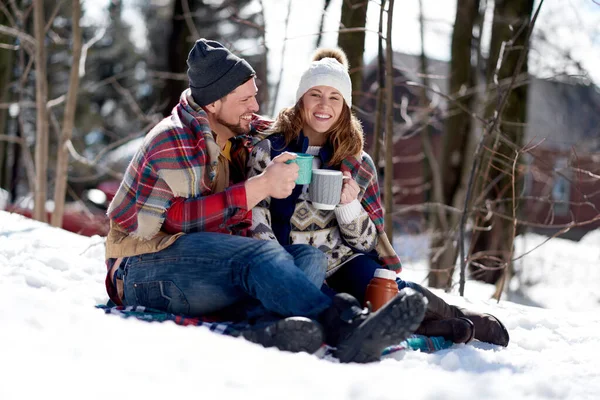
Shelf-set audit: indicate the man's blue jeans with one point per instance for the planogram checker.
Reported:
(202, 273)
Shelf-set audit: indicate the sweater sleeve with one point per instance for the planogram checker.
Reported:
(261, 228)
(226, 211)
(356, 227)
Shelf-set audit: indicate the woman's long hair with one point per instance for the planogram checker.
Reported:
(345, 136)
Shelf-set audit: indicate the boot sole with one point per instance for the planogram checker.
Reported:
(390, 325)
(294, 334)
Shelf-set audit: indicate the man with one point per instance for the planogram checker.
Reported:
(175, 241)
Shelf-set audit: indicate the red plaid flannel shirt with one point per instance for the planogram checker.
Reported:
(224, 212)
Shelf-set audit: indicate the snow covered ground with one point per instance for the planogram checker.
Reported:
(55, 344)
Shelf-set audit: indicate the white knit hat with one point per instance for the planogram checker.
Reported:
(327, 71)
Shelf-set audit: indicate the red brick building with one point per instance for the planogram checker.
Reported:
(562, 177)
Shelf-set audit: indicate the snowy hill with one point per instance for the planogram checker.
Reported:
(55, 344)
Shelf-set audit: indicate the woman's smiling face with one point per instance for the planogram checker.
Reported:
(321, 108)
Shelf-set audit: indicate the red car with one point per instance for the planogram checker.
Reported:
(86, 219)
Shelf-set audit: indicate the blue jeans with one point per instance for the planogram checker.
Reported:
(202, 273)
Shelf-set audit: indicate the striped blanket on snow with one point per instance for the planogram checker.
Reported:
(415, 342)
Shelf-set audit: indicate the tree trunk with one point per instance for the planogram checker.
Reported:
(492, 247)
(322, 23)
(62, 162)
(6, 66)
(263, 95)
(354, 15)
(378, 131)
(389, 131)
(41, 98)
(429, 158)
(273, 112)
(179, 46)
(454, 142)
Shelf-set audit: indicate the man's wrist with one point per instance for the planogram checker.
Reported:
(257, 189)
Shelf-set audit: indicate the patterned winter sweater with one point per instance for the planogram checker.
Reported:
(341, 234)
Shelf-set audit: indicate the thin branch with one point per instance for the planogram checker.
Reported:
(189, 21)
(6, 12)
(12, 139)
(246, 22)
(499, 110)
(17, 12)
(53, 15)
(86, 46)
(24, 37)
(81, 159)
(342, 30)
(9, 46)
(130, 100)
(585, 172)
(283, 48)
(168, 75)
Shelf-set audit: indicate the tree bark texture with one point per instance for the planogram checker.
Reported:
(389, 124)
(6, 65)
(178, 49)
(62, 162)
(354, 15)
(454, 142)
(41, 98)
(491, 247)
(378, 131)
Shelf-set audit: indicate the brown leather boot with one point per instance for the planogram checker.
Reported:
(458, 330)
(488, 328)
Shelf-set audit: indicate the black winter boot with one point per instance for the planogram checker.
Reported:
(294, 334)
(360, 336)
(458, 330)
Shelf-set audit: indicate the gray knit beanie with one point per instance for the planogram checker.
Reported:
(214, 71)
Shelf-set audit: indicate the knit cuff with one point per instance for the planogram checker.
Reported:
(347, 213)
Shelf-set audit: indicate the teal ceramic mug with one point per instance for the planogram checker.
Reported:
(305, 162)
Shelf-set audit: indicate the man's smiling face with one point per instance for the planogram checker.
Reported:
(236, 109)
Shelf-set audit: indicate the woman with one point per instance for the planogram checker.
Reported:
(322, 124)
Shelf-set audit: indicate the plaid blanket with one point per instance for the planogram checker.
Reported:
(422, 343)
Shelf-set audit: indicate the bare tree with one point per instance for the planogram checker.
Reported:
(322, 23)
(378, 131)
(179, 42)
(454, 142)
(7, 50)
(354, 15)
(283, 49)
(508, 58)
(389, 131)
(41, 98)
(60, 188)
(217, 20)
(18, 152)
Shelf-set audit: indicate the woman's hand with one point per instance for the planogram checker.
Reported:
(350, 189)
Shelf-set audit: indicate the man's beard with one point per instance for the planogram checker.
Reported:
(237, 129)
